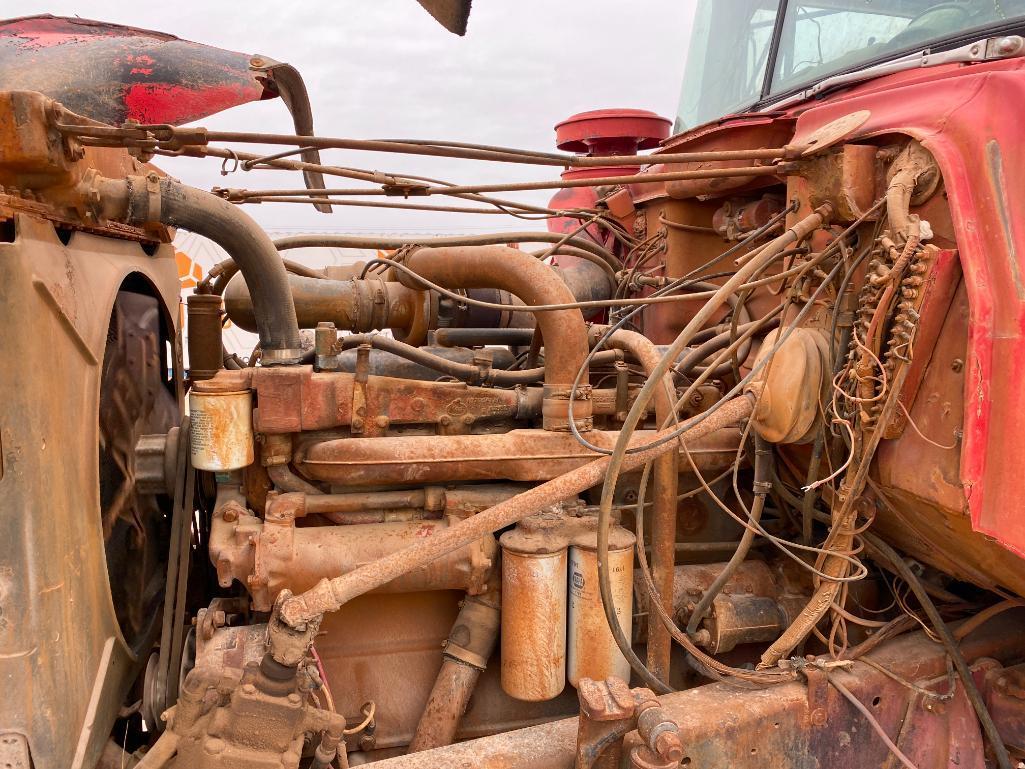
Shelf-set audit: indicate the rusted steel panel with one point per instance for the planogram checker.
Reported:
(60, 644)
(723, 725)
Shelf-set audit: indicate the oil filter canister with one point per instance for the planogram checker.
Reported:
(592, 651)
(221, 429)
(533, 615)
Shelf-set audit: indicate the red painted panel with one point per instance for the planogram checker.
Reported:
(113, 73)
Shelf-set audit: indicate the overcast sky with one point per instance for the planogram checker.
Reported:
(385, 69)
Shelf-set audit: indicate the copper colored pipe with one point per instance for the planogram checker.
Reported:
(445, 705)
(479, 151)
(331, 594)
(353, 173)
(359, 502)
(391, 243)
(467, 650)
(285, 480)
(533, 282)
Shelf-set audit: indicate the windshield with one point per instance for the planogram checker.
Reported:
(744, 51)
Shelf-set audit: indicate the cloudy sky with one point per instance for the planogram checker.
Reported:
(385, 69)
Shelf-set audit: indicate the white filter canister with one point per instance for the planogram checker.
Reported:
(533, 624)
(592, 651)
(221, 430)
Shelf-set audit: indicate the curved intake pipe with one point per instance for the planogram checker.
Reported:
(374, 305)
(532, 281)
(147, 200)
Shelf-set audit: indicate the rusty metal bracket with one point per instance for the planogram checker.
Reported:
(405, 190)
(818, 695)
(609, 710)
(359, 389)
(14, 751)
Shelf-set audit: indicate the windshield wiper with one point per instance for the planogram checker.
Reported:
(986, 49)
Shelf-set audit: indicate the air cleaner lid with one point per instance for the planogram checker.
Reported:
(611, 131)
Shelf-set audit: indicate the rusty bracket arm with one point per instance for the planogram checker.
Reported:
(609, 710)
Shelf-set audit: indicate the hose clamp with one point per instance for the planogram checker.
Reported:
(153, 197)
(287, 357)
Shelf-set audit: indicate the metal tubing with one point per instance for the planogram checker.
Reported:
(331, 594)
(556, 184)
(762, 486)
(508, 269)
(464, 372)
(368, 500)
(285, 480)
(388, 364)
(663, 518)
(467, 650)
(492, 239)
(445, 705)
(482, 152)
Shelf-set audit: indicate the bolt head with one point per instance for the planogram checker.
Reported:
(668, 746)
(1008, 45)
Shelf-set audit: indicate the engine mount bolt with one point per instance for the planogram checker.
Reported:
(668, 746)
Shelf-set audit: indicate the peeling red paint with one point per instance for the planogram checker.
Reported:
(113, 73)
(175, 103)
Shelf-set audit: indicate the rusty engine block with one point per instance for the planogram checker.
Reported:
(461, 497)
